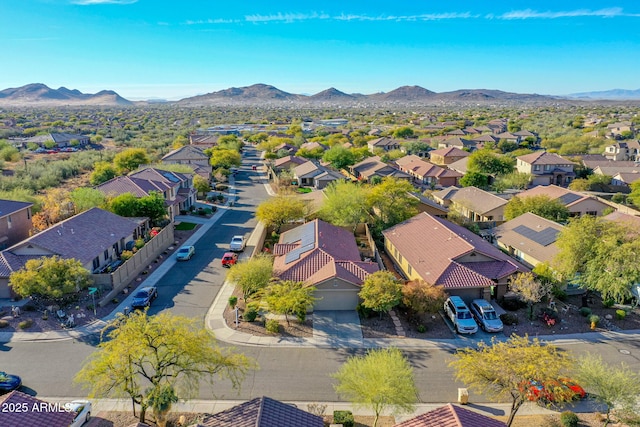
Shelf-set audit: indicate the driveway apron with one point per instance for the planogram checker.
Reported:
(333, 324)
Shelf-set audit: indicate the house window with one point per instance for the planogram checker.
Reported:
(96, 263)
(106, 254)
(547, 167)
(536, 167)
(28, 213)
(400, 259)
(592, 213)
(395, 253)
(409, 270)
(9, 221)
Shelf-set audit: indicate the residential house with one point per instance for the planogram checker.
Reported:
(327, 257)
(284, 147)
(192, 156)
(425, 204)
(446, 156)
(176, 188)
(60, 140)
(623, 151)
(373, 166)
(425, 173)
(314, 146)
(203, 140)
(323, 179)
(444, 196)
(524, 134)
(577, 203)
(485, 139)
(95, 237)
(546, 168)
(23, 410)
(616, 130)
(262, 412)
(442, 253)
(384, 143)
(457, 142)
(287, 163)
(508, 136)
(497, 125)
(460, 166)
(477, 205)
(625, 178)
(15, 222)
(451, 416)
(529, 238)
(630, 221)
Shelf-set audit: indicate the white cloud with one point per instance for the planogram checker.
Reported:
(533, 14)
(91, 2)
(298, 17)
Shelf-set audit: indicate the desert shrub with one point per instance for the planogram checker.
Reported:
(608, 303)
(511, 304)
(202, 212)
(569, 419)
(4, 323)
(139, 243)
(343, 417)
(301, 316)
(25, 324)
(621, 314)
(585, 311)
(509, 319)
(125, 255)
(250, 315)
(221, 187)
(421, 329)
(233, 300)
(594, 318)
(272, 326)
(559, 293)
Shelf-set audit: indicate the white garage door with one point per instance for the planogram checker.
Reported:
(336, 300)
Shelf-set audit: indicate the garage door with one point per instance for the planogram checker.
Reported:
(336, 299)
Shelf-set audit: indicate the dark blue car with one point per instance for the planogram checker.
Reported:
(144, 296)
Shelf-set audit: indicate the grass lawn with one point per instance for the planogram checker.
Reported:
(186, 226)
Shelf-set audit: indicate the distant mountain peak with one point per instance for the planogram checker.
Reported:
(41, 94)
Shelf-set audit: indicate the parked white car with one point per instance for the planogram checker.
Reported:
(459, 314)
(237, 244)
(82, 408)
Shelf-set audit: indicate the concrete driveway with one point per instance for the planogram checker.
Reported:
(336, 325)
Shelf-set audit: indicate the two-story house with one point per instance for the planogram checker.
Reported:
(446, 156)
(546, 168)
(623, 151)
(15, 222)
(384, 144)
(176, 188)
(425, 173)
(191, 156)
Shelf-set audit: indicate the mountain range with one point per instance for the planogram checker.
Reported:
(38, 94)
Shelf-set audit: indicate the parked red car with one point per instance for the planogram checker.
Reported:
(562, 389)
(229, 259)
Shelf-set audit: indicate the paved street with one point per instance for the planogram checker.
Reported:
(290, 373)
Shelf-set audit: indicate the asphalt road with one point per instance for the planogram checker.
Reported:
(189, 288)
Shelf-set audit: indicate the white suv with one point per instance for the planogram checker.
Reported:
(459, 314)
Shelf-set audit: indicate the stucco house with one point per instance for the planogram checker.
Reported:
(384, 143)
(60, 140)
(442, 253)
(578, 204)
(311, 174)
(425, 173)
(451, 415)
(477, 205)
(623, 151)
(191, 156)
(458, 142)
(327, 257)
(373, 166)
(446, 156)
(529, 238)
(15, 222)
(546, 168)
(94, 237)
(176, 188)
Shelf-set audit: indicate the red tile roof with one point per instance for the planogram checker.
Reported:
(317, 251)
(451, 151)
(542, 157)
(451, 416)
(262, 412)
(37, 413)
(444, 253)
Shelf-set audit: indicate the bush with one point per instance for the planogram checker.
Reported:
(233, 300)
(621, 314)
(559, 293)
(272, 326)
(585, 311)
(421, 329)
(343, 417)
(608, 303)
(301, 316)
(509, 319)
(3, 323)
(569, 419)
(250, 315)
(363, 311)
(594, 318)
(511, 304)
(125, 255)
(25, 324)
(221, 187)
(139, 243)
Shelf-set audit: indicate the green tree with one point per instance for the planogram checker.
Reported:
(391, 202)
(531, 291)
(339, 156)
(474, 179)
(252, 275)
(289, 297)
(542, 205)
(515, 180)
(201, 184)
(152, 207)
(634, 196)
(403, 132)
(313, 153)
(125, 204)
(129, 159)
(84, 198)
(225, 158)
(615, 387)
(416, 147)
(489, 163)
(380, 379)
(381, 291)
(160, 400)
(344, 204)
(102, 172)
(483, 369)
(279, 210)
(148, 357)
(179, 141)
(423, 297)
(50, 277)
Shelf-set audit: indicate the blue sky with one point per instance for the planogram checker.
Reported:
(178, 48)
